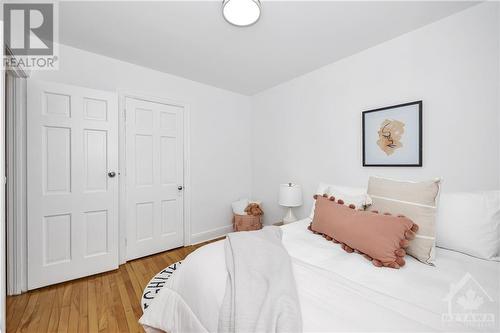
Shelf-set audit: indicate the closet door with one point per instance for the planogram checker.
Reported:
(154, 172)
(72, 153)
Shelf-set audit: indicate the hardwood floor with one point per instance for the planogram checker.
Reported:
(107, 302)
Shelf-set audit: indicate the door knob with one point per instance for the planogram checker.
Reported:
(180, 187)
(111, 174)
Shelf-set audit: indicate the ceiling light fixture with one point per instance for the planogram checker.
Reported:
(241, 13)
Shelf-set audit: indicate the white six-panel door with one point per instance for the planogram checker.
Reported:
(154, 173)
(72, 145)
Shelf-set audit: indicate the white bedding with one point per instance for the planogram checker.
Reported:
(337, 291)
(257, 298)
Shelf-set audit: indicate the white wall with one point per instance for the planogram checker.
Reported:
(220, 131)
(308, 130)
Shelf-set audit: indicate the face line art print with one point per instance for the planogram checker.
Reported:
(390, 134)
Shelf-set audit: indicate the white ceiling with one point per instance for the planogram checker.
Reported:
(192, 40)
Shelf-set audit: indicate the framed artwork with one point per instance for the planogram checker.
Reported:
(392, 136)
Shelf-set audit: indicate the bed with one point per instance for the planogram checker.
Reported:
(339, 291)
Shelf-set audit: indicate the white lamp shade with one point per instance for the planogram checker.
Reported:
(290, 195)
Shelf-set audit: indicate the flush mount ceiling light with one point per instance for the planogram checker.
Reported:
(241, 13)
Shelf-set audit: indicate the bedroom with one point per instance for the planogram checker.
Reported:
(139, 137)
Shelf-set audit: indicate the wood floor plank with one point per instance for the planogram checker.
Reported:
(140, 274)
(46, 304)
(56, 310)
(62, 327)
(102, 306)
(9, 305)
(134, 281)
(74, 309)
(161, 262)
(107, 302)
(28, 312)
(93, 321)
(18, 308)
(34, 323)
(117, 303)
(134, 298)
(152, 269)
(153, 264)
(130, 317)
(83, 325)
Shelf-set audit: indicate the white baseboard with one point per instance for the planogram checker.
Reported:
(204, 236)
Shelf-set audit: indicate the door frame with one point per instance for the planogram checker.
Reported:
(15, 145)
(3, 257)
(122, 162)
(16, 185)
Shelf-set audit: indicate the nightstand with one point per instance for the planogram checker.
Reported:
(278, 223)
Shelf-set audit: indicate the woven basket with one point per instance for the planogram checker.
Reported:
(246, 222)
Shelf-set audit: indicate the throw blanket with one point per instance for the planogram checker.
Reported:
(261, 294)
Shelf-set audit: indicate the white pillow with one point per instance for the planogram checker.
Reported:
(350, 195)
(239, 206)
(322, 189)
(469, 222)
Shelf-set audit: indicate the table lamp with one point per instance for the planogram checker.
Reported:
(290, 196)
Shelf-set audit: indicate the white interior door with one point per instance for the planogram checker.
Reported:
(154, 172)
(72, 201)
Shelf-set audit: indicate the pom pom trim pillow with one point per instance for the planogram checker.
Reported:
(381, 238)
(418, 201)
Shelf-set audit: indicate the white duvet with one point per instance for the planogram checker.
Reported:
(342, 292)
(261, 293)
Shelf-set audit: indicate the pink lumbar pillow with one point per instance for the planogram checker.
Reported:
(381, 238)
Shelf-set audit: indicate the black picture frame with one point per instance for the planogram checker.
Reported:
(420, 134)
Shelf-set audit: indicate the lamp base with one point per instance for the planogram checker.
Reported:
(289, 217)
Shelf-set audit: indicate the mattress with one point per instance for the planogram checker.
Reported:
(341, 292)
